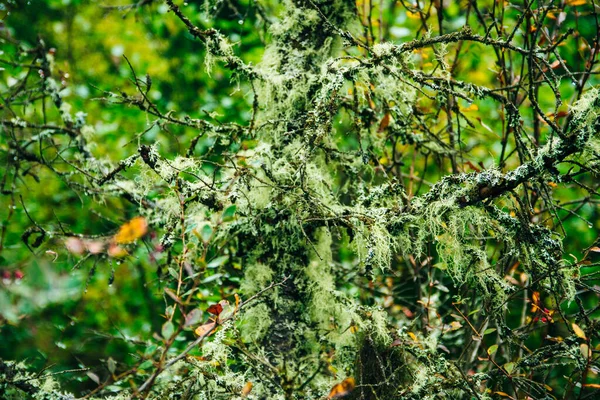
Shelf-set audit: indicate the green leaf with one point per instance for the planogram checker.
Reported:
(173, 272)
(150, 350)
(217, 262)
(206, 233)
(492, 349)
(212, 278)
(167, 329)
(488, 331)
(509, 367)
(145, 365)
(112, 365)
(229, 213)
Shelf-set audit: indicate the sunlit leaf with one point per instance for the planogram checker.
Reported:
(492, 349)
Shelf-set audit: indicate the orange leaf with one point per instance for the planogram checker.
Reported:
(132, 230)
(247, 388)
(574, 3)
(592, 385)
(502, 394)
(237, 301)
(205, 330)
(342, 389)
(385, 121)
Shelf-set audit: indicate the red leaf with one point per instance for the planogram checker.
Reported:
(215, 309)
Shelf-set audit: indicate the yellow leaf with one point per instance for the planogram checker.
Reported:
(455, 325)
(472, 107)
(132, 230)
(585, 351)
(578, 331)
(413, 337)
(574, 3)
(342, 389)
